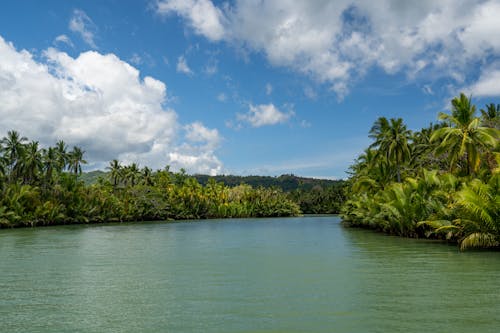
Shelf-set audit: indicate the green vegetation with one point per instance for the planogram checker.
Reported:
(441, 182)
(314, 196)
(42, 186)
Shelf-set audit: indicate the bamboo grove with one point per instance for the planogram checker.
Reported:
(41, 186)
(440, 182)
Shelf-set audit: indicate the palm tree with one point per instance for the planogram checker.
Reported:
(132, 173)
(391, 138)
(49, 163)
(32, 162)
(480, 216)
(115, 170)
(147, 176)
(13, 146)
(62, 155)
(491, 116)
(76, 160)
(464, 137)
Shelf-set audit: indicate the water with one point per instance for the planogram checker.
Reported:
(268, 275)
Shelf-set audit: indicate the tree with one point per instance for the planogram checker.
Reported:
(76, 160)
(62, 155)
(132, 173)
(49, 164)
(32, 163)
(491, 116)
(391, 138)
(115, 171)
(13, 147)
(463, 137)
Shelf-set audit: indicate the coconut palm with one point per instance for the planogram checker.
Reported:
(62, 155)
(132, 173)
(32, 163)
(391, 138)
(464, 137)
(115, 171)
(480, 213)
(13, 147)
(491, 116)
(76, 160)
(50, 163)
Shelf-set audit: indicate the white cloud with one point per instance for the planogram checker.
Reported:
(269, 89)
(197, 133)
(64, 40)
(264, 114)
(488, 84)
(182, 66)
(202, 15)
(101, 103)
(84, 26)
(198, 152)
(338, 42)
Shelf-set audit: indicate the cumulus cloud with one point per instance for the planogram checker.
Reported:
(337, 42)
(264, 114)
(198, 152)
(202, 15)
(488, 84)
(84, 26)
(182, 66)
(101, 103)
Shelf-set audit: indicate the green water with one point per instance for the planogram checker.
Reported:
(268, 275)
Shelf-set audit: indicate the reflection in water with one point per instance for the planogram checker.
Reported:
(264, 275)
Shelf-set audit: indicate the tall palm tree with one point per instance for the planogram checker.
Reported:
(62, 155)
(392, 138)
(76, 160)
(147, 176)
(463, 137)
(132, 173)
(49, 163)
(13, 147)
(32, 163)
(115, 170)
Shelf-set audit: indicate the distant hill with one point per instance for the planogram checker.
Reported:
(92, 176)
(287, 183)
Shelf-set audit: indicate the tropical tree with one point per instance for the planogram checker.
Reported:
(13, 147)
(62, 155)
(50, 163)
(491, 116)
(392, 138)
(76, 160)
(464, 137)
(32, 163)
(115, 171)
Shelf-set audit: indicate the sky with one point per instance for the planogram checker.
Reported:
(238, 87)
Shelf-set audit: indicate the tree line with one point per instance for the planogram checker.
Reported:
(313, 195)
(440, 182)
(42, 186)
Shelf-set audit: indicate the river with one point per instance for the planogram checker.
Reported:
(306, 274)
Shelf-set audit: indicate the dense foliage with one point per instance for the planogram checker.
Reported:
(41, 186)
(442, 181)
(314, 196)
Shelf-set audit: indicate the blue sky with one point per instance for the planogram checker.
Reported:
(240, 87)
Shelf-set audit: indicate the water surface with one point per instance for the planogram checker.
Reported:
(304, 274)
